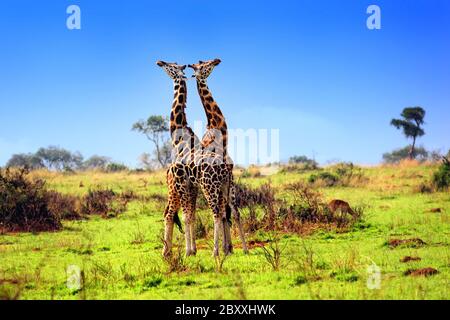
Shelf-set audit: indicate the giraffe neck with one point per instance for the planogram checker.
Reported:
(177, 115)
(184, 141)
(216, 120)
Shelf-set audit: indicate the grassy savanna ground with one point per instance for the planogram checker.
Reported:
(121, 257)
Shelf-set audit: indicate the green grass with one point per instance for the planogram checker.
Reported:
(121, 257)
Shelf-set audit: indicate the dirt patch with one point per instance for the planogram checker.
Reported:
(252, 244)
(412, 243)
(421, 272)
(435, 210)
(409, 258)
(255, 244)
(9, 281)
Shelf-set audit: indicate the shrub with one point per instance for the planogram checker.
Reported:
(423, 187)
(341, 174)
(306, 213)
(326, 178)
(67, 207)
(24, 204)
(251, 172)
(303, 160)
(441, 178)
(175, 261)
(273, 252)
(309, 206)
(116, 167)
(103, 202)
(251, 198)
(300, 163)
(152, 282)
(246, 196)
(200, 228)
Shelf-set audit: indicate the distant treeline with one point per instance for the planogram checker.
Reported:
(420, 154)
(60, 159)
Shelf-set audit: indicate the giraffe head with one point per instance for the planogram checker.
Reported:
(175, 71)
(203, 69)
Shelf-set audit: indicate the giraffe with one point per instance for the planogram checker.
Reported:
(193, 167)
(182, 191)
(216, 139)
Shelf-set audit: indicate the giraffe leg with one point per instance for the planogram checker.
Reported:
(193, 200)
(187, 213)
(228, 229)
(187, 235)
(212, 196)
(226, 244)
(224, 197)
(169, 213)
(172, 208)
(218, 229)
(192, 234)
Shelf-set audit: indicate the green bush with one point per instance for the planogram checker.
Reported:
(328, 178)
(343, 169)
(24, 203)
(303, 160)
(441, 178)
(116, 167)
(341, 174)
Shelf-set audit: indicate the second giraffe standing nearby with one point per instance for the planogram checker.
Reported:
(216, 140)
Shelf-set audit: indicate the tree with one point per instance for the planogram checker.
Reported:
(397, 155)
(96, 162)
(146, 161)
(58, 158)
(28, 160)
(306, 162)
(302, 159)
(411, 126)
(156, 129)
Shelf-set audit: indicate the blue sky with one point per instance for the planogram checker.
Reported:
(309, 68)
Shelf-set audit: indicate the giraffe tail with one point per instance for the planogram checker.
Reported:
(228, 214)
(228, 201)
(177, 221)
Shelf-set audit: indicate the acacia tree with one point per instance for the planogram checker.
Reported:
(156, 129)
(26, 160)
(58, 158)
(411, 126)
(96, 162)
